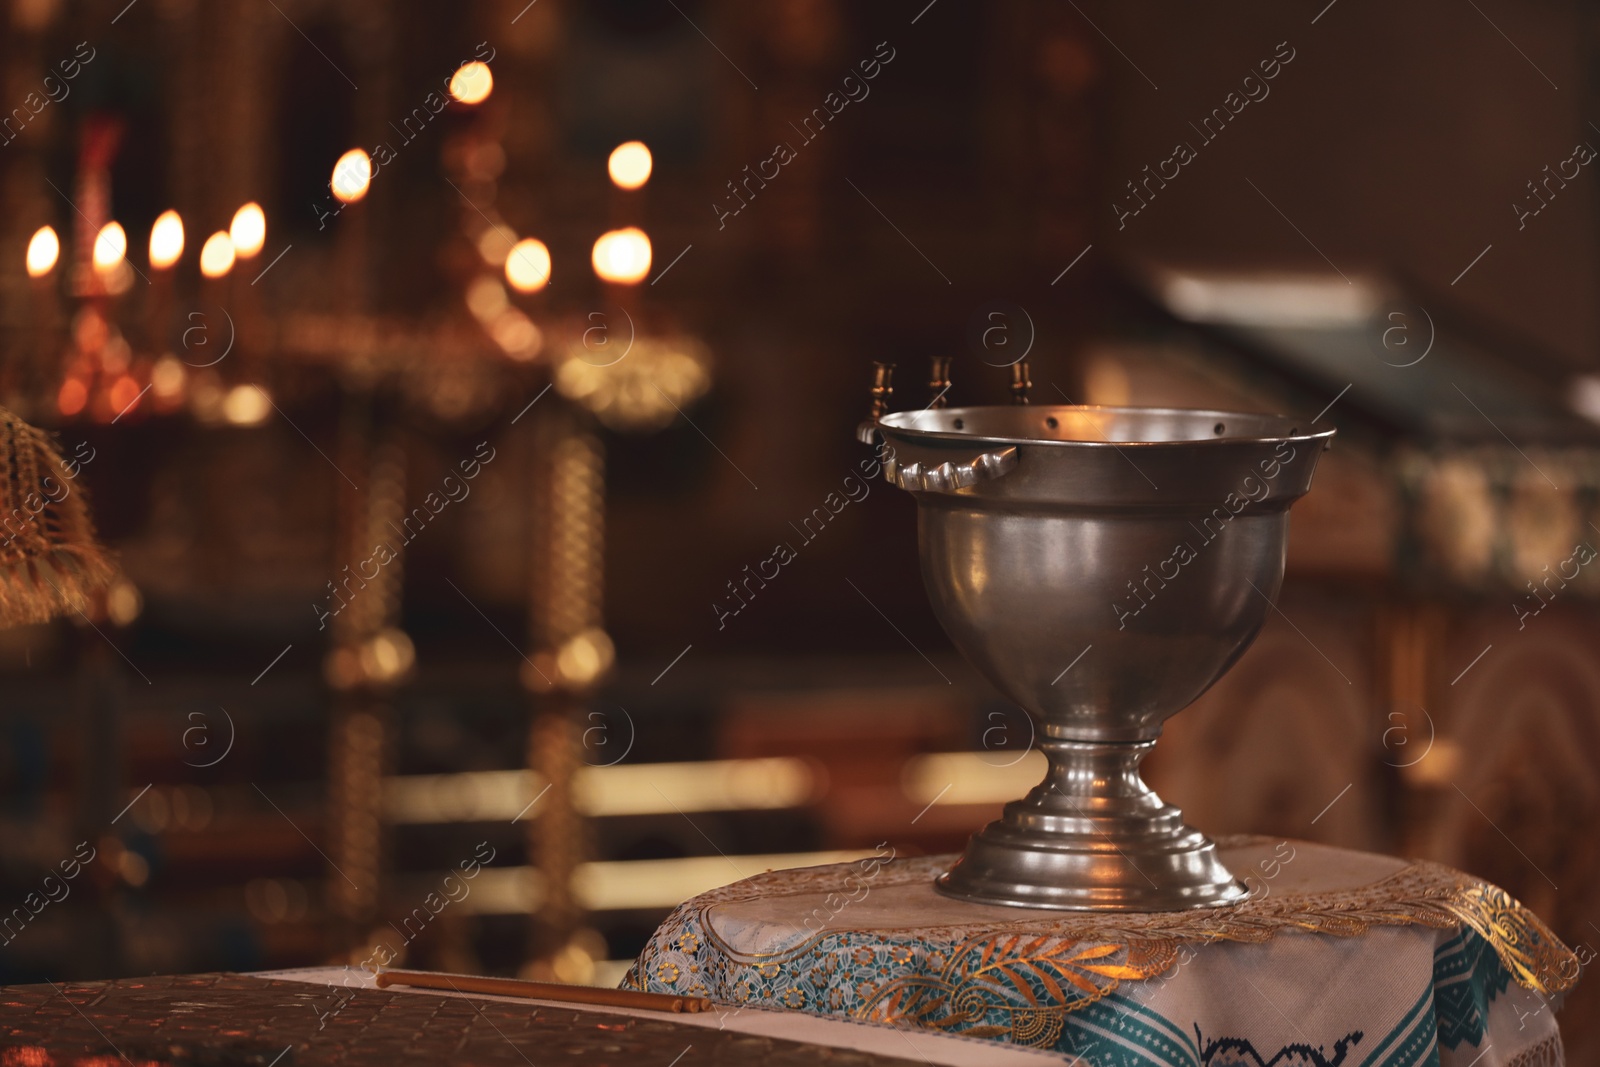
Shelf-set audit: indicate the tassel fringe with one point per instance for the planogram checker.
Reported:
(50, 562)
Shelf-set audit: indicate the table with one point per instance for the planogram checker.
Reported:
(336, 1017)
(1339, 959)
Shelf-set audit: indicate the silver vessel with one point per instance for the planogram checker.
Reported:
(1102, 567)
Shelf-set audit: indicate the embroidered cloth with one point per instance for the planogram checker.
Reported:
(1338, 959)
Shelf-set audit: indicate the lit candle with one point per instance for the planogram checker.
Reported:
(44, 252)
(166, 248)
(248, 233)
(212, 340)
(166, 241)
(352, 178)
(216, 261)
(527, 270)
(116, 388)
(110, 258)
(217, 255)
(44, 249)
(621, 259)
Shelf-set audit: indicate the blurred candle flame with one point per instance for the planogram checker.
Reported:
(528, 265)
(630, 165)
(72, 397)
(167, 377)
(216, 256)
(622, 256)
(124, 393)
(352, 174)
(110, 246)
(472, 84)
(43, 251)
(249, 230)
(246, 405)
(166, 240)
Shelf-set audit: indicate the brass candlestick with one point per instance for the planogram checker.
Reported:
(882, 390)
(938, 381)
(1020, 382)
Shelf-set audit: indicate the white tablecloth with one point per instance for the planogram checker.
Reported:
(1340, 959)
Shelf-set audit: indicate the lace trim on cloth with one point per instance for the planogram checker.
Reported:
(1547, 1053)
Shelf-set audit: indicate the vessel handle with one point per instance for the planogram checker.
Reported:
(948, 477)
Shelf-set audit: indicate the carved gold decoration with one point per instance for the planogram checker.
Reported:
(1486, 515)
(368, 657)
(638, 386)
(571, 655)
(1457, 516)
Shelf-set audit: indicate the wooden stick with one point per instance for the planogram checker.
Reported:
(570, 994)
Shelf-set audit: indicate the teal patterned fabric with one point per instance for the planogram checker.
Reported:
(1464, 985)
(1117, 1030)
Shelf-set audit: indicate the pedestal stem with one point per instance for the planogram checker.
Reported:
(1094, 788)
(1092, 835)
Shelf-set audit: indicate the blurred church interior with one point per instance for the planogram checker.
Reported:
(448, 382)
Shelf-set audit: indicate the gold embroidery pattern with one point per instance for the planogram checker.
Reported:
(1533, 954)
(997, 986)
